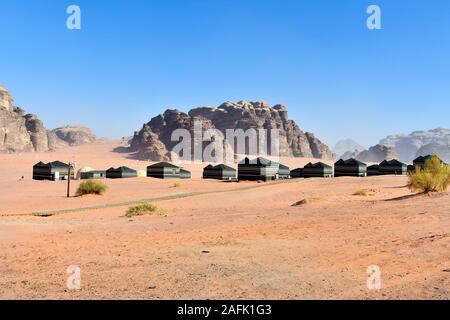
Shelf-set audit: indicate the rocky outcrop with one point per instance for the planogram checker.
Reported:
(344, 148)
(6, 101)
(443, 151)
(377, 153)
(20, 132)
(14, 135)
(37, 132)
(407, 146)
(153, 141)
(69, 136)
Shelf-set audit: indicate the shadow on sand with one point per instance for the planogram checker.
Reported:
(421, 194)
(126, 150)
(409, 196)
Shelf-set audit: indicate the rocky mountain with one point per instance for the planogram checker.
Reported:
(20, 132)
(69, 136)
(443, 151)
(408, 146)
(346, 146)
(376, 153)
(153, 141)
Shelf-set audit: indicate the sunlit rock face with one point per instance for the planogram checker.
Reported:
(6, 101)
(153, 141)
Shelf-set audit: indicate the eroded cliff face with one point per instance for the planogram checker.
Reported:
(153, 141)
(14, 134)
(20, 132)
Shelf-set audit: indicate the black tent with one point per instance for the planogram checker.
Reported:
(166, 170)
(393, 167)
(219, 172)
(55, 170)
(317, 170)
(350, 167)
(257, 169)
(420, 161)
(373, 170)
(94, 174)
(297, 173)
(283, 171)
(120, 173)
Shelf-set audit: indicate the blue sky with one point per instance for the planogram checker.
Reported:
(133, 59)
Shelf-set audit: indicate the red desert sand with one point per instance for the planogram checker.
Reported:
(218, 240)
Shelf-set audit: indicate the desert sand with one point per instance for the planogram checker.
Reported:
(218, 240)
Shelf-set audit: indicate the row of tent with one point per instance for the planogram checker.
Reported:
(260, 169)
(58, 170)
(353, 167)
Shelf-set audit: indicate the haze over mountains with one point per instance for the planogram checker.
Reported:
(405, 147)
(420, 143)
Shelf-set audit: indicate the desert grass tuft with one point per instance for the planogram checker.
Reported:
(91, 187)
(435, 177)
(144, 209)
(364, 192)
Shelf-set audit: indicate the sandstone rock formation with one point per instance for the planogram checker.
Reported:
(407, 146)
(377, 153)
(443, 151)
(69, 136)
(20, 132)
(346, 147)
(153, 141)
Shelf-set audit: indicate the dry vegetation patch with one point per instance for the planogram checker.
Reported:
(365, 192)
(144, 209)
(435, 177)
(91, 187)
(306, 201)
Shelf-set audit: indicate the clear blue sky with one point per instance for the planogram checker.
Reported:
(133, 59)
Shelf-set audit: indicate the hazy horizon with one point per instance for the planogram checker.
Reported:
(132, 60)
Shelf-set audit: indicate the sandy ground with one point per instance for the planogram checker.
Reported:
(227, 241)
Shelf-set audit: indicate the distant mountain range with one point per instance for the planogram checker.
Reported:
(347, 146)
(405, 147)
(419, 143)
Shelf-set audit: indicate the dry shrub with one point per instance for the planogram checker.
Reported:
(306, 201)
(143, 209)
(365, 192)
(435, 177)
(91, 187)
(176, 185)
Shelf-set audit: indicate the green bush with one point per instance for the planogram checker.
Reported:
(142, 209)
(435, 177)
(91, 187)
